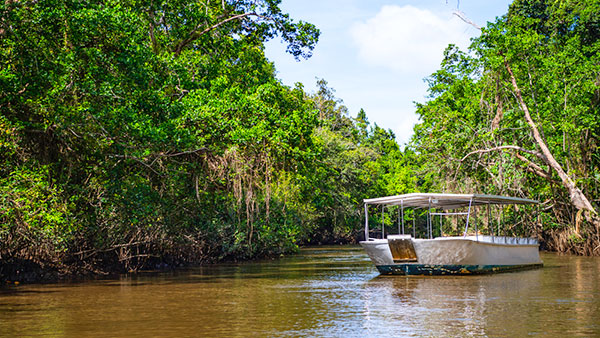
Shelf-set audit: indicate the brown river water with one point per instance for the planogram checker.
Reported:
(321, 292)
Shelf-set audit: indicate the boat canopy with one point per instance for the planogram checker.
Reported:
(446, 201)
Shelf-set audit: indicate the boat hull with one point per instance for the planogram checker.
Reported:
(448, 270)
(458, 255)
(480, 250)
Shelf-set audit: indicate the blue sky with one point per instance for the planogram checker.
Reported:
(376, 54)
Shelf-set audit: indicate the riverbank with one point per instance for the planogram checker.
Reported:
(105, 263)
(41, 264)
(29, 271)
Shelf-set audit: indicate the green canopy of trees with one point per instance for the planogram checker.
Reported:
(518, 114)
(136, 133)
(143, 133)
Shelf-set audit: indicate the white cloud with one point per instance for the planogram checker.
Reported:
(408, 39)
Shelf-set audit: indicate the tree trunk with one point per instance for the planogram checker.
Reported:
(578, 199)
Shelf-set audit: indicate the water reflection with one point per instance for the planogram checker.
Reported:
(448, 306)
(324, 292)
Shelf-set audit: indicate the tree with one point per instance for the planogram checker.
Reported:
(155, 130)
(531, 93)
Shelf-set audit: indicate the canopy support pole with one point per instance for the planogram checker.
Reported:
(429, 220)
(498, 220)
(398, 220)
(414, 217)
(402, 212)
(502, 222)
(475, 223)
(382, 222)
(514, 217)
(539, 219)
(441, 231)
(490, 230)
(366, 222)
(468, 216)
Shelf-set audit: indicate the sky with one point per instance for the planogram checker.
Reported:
(376, 54)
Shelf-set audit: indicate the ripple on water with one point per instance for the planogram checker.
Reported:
(322, 292)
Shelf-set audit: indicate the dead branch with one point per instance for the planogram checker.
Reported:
(578, 199)
(464, 18)
(137, 256)
(93, 252)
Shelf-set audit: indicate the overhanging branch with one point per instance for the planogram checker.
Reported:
(536, 169)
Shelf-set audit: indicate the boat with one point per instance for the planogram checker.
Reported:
(468, 253)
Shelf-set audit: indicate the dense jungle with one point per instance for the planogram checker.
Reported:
(149, 134)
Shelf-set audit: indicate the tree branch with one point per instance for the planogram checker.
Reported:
(578, 199)
(499, 109)
(151, 31)
(536, 153)
(195, 35)
(536, 169)
(186, 152)
(464, 18)
(138, 161)
(162, 155)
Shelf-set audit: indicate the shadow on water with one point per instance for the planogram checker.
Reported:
(17, 290)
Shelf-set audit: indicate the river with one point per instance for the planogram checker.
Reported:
(321, 292)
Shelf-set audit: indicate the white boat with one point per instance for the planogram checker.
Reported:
(404, 254)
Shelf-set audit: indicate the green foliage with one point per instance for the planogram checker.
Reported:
(472, 116)
(359, 160)
(136, 133)
(33, 211)
(159, 129)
